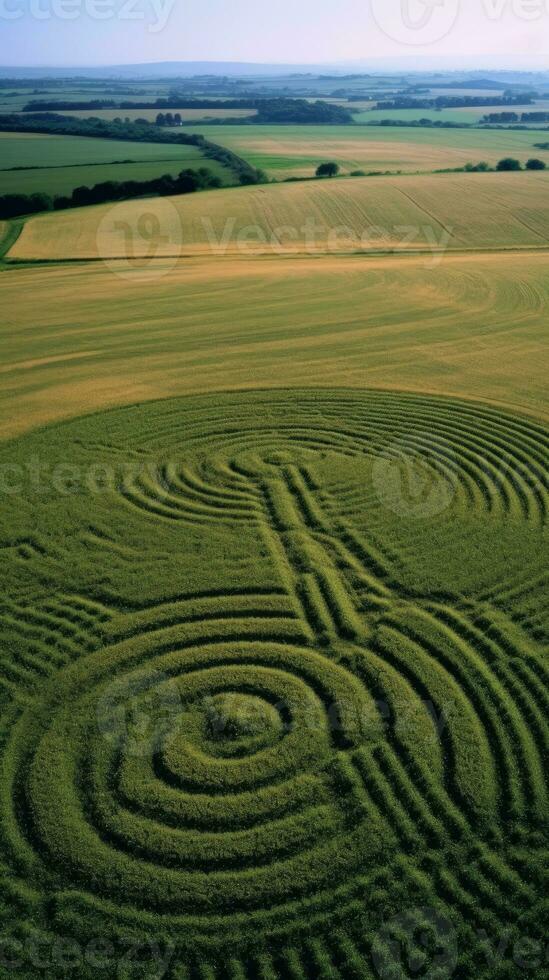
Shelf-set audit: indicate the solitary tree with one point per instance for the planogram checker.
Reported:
(328, 170)
(535, 164)
(508, 163)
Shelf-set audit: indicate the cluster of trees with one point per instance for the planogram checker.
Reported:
(477, 168)
(14, 205)
(137, 132)
(509, 163)
(169, 119)
(328, 170)
(424, 121)
(513, 117)
(291, 111)
(301, 111)
(58, 105)
(187, 182)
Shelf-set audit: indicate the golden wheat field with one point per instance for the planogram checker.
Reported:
(472, 326)
(416, 212)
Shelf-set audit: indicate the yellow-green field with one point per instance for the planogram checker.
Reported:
(410, 212)
(295, 151)
(472, 326)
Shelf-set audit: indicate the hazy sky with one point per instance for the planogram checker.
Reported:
(88, 32)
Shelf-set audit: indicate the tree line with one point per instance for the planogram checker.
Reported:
(513, 117)
(269, 110)
(419, 123)
(187, 182)
(455, 102)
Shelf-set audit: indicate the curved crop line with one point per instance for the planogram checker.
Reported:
(528, 767)
(517, 694)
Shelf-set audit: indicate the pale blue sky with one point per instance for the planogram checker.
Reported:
(92, 32)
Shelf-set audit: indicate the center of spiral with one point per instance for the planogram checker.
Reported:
(233, 715)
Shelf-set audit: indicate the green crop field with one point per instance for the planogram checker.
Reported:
(296, 151)
(33, 149)
(284, 711)
(58, 164)
(274, 553)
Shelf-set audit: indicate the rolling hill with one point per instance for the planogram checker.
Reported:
(478, 211)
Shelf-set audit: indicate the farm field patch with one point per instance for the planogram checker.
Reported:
(58, 164)
(472, 326)
(40, 150)
(404, 213)
(296, 151)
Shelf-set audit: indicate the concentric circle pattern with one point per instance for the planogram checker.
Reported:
(323, 726)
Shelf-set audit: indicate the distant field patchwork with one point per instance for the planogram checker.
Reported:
(467, 114)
